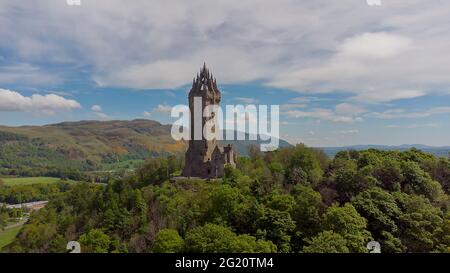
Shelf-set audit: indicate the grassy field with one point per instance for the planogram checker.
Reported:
(8, 236)
(30, 180)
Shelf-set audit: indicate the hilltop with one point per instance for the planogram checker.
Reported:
(86, 145)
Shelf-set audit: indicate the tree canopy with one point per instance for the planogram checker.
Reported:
(290, 200)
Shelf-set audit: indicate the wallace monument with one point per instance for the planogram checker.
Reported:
(206, 158)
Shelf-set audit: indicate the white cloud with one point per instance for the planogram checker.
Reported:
(147, 114)
(163, 108)
(374, 46)
(292, 106)
(96, 108)
(347, 108)
(246, 100)
(361, 65)
(301, 100)
(414, 126)
(12, 101)
(27, 73)
(388, 95)
(403, 114)
(348, 132)
(323, 114)
(98, 112)
(396, 51)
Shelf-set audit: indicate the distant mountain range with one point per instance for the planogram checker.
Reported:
(89, 144)
(443, 151)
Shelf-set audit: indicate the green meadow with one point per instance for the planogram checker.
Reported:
(8, 236)
(16, 181)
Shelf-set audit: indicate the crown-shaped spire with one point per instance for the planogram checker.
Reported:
(205, 80)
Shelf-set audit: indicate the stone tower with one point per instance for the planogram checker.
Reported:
(206, 158)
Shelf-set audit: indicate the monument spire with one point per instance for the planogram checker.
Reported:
(206, 158)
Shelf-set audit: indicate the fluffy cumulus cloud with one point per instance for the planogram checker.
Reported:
(163, 109)
(98, 112)
(96, 108)
(372, 66)
(376, 54)
(12, 101)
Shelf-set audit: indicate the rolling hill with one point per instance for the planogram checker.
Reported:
(84, 145)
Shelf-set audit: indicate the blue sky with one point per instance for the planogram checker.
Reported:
(343, 73)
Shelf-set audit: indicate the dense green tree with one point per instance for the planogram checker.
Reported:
(218, 239)
(416, 155)
(58, 244)
(417, 181)
(306, 211)
(297, 176)
(231, 174)
(380, 209)
(249, 244)
(275, 201)
(368, 158)
(154, 171)
(281, 202)
(388, 173)
(418, 222)
(264, 183)
(442, 235)
(350, 181)
(224, 201)
(95, 241)
(390, 243)
(168, 241)
(36, 237)
(440, 171)
(303, 158)
(4, 218)
(277, 226)
(140, 207)
(327, 242)
(348, 223)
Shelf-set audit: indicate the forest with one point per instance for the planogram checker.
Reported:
(293, 200)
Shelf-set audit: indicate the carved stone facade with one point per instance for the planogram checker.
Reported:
(206, 158)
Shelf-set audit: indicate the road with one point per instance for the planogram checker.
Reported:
(17, 224)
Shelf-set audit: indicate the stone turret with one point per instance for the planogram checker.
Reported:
(206, 158)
